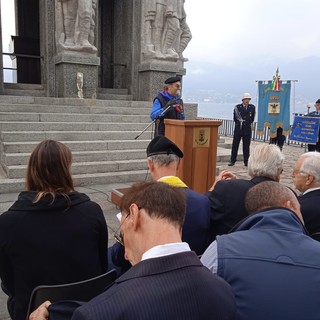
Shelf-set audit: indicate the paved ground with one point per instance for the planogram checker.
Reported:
(101, 195)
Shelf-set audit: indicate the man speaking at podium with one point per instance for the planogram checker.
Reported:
(167, 105)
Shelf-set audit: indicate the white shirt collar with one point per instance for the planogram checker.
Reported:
(165, 250)
(311, 189)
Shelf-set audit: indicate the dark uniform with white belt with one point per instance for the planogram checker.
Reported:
(243, 116)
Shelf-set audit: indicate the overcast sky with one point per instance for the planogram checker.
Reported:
(252, 31)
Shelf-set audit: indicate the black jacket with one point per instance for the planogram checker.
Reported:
(49, 242)
(247, 114)
(227, 203)
(310, 210)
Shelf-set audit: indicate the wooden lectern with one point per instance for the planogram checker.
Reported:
(198, 140)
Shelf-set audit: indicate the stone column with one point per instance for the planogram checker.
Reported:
(76, 52)
(165, 35)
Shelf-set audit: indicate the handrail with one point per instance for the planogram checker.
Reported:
(227, 129)
(22, 55)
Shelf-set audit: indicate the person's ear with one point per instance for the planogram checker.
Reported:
(150, 165)
(309, 180)
(178, 164)
(135, 216)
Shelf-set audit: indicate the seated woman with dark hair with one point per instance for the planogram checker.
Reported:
(52, 234)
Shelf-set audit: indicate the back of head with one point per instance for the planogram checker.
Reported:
(265, 160)
(311, 165)
(270, 194)
(162, 151)
(48, 169)
(158, 199)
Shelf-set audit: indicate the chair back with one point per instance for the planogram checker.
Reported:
(80, 291)
(316, 236)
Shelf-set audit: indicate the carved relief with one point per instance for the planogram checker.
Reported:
(75, 25)
(166, 29)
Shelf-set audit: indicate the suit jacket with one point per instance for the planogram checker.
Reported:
(173, 287)
(227, 203)
(310, 210)
(197, 229)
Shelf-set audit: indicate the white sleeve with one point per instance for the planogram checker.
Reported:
(210, 257)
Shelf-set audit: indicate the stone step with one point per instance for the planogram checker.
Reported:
(113, 90)
(82, 156)
(67, 126)
(76, 109)
(71, 117)
(18, 171)
(223, 154)
(23, 89)
(70, 102)
(112, 96)
(16, 185)
(94, 145)
(16, 136)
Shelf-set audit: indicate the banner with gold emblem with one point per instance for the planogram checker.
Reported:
(274, 105)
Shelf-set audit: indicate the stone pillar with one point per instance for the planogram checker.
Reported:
(67, 69)
(165, 35)
(75, 37)
(152, 75)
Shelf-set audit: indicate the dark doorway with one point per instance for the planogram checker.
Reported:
(26, 44)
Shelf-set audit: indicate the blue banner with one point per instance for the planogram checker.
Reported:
(274, 108)
(305, 129)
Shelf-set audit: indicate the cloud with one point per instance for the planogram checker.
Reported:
(231, 32)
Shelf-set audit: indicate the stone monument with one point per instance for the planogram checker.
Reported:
(76, 53)
(166, 34)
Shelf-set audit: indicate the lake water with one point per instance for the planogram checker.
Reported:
(225, 110)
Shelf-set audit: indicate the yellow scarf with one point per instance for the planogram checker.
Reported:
(173, 181)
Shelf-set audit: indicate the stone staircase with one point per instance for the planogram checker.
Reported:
(100, 134)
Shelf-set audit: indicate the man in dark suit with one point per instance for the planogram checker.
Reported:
(306, 178)
(227, 194)
(243, 116)
(164, 158)
(315, 147)
(167, 280)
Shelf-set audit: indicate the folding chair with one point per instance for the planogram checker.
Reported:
(80, 291)
(316, 236)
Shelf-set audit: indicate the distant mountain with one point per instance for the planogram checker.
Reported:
(226, 84)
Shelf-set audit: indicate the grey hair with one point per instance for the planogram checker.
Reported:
(311, 165)
(265, 160)
(160, 160)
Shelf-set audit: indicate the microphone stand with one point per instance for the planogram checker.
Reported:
(152, 122)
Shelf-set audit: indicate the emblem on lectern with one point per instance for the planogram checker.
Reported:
(201, 137)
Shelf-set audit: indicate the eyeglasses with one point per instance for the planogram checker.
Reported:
(117, 235)
(296, 172)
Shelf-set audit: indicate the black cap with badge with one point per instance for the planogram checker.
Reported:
(162, 145)
(172, 80)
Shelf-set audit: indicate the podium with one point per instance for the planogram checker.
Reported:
(198, 139)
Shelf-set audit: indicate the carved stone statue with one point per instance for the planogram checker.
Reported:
(75, 25)
(167, 31)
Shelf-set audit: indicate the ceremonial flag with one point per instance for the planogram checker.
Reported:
(275, 85)
(274, 107)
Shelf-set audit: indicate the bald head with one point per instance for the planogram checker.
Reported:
(270, 194)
